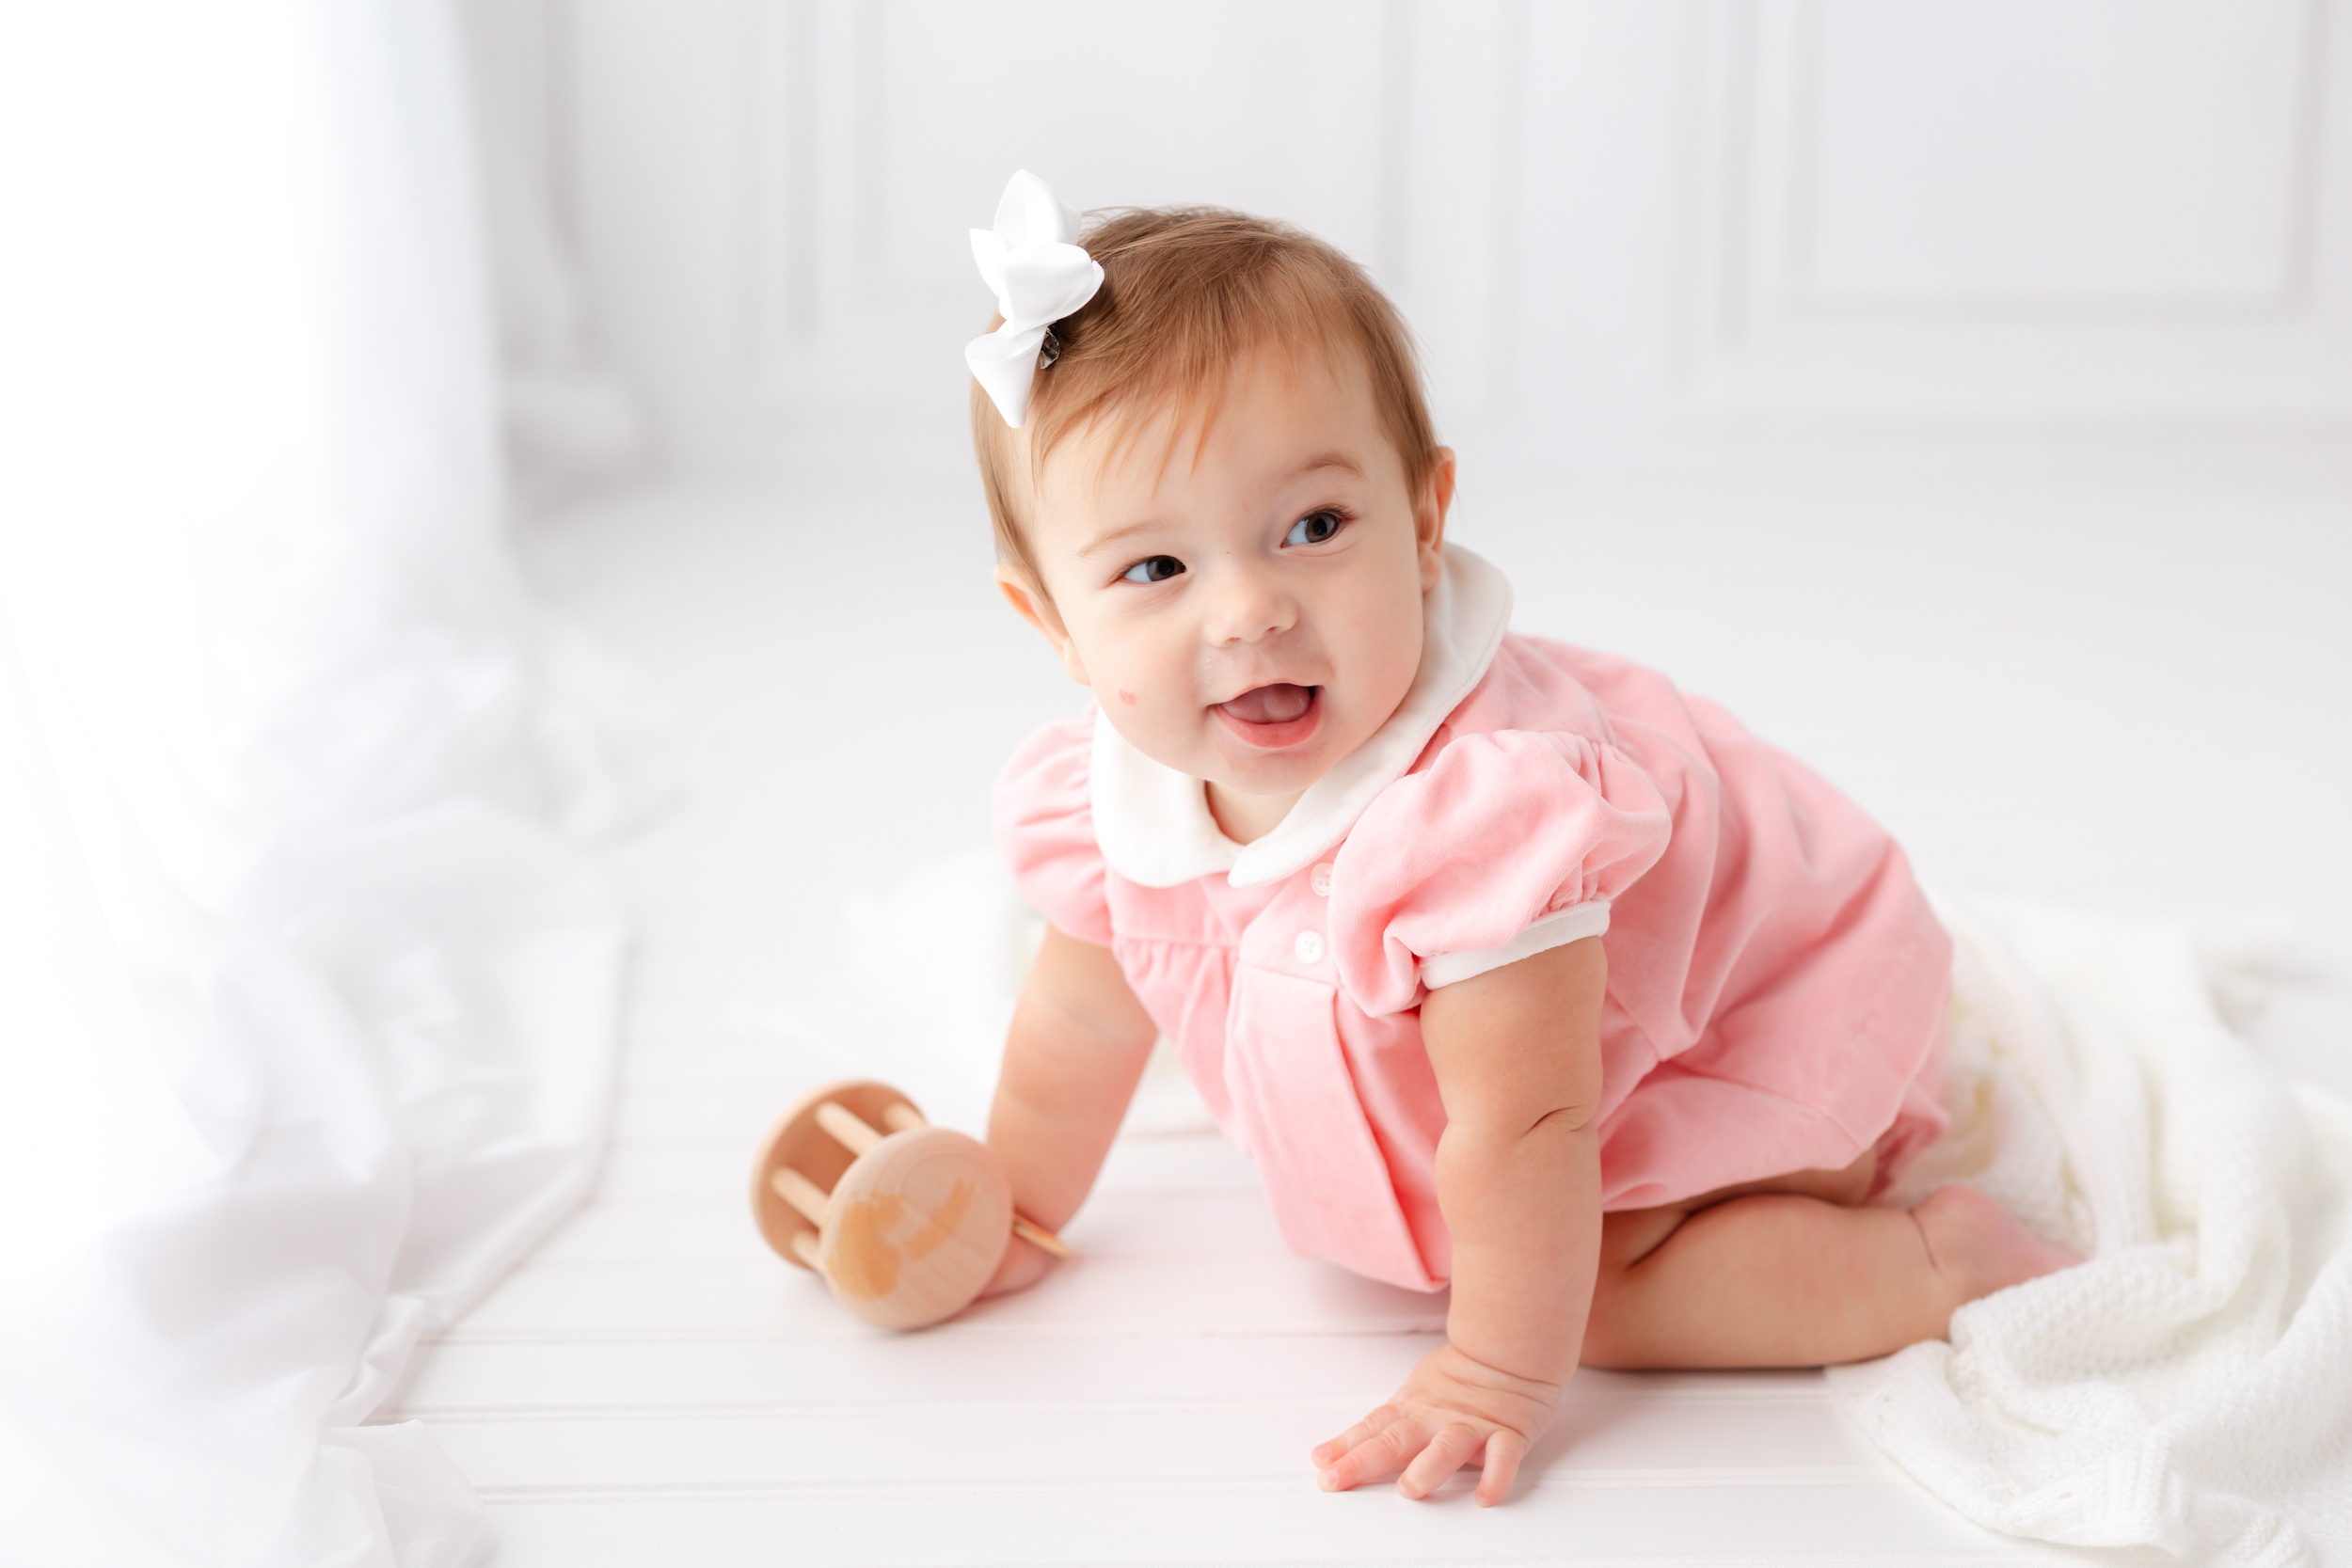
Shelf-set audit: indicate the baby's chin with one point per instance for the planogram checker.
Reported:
(1209, 750)
(1274, 759)
(1264, 775)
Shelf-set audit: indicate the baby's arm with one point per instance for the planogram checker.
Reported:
(1517, 1054)
(1078, 1043)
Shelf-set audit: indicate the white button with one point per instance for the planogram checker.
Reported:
(1320, 879)
(1308, 947)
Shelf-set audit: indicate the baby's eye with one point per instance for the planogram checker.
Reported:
(1156, 568)
(1315, 527)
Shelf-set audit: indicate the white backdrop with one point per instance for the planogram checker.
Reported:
(1637, 236)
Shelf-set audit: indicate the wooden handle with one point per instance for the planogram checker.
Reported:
(799, 1192)
(1037, 1235)
(846, 1129)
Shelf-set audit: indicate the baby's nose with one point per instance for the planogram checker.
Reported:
(1247, 607)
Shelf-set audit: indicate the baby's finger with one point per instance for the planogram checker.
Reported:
(1446, 1453)
(1326, 1452)
(1504, 1450)
(1376, 1456)
(1021, 1266)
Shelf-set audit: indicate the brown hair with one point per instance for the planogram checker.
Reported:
(1186, 291)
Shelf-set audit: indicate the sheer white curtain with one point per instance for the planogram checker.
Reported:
(307, 991)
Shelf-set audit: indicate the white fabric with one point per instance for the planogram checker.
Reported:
(306, 1010)
(1153, 824)
(2190, 1388)
(1032, 263)
(1573, 924)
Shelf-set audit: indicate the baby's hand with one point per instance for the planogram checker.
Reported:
(1450, 1411)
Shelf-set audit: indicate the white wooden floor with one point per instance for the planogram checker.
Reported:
(653, 1387)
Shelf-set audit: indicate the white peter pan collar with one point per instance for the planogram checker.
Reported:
(1153, 823)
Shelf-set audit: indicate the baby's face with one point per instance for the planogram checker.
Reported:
(1248, 611)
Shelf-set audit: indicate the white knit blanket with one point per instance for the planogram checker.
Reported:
(2190, 1386)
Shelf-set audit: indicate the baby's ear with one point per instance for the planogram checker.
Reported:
(1030, 601)
(1429, 515)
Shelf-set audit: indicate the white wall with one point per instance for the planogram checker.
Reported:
(1731, 237)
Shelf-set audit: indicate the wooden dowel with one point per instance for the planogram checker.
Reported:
(899, 1117)
(1037, 1235)
(805, 1248)
(846, 1129)
(799, 1192)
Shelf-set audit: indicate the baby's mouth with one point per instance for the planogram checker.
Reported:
(1273, 715)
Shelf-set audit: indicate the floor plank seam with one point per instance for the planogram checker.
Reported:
(1632, 1479)
(1045, 1332)
(483, 1415)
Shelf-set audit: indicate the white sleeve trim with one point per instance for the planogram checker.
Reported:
(1440, 970)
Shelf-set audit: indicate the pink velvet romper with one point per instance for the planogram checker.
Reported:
(1777, 983)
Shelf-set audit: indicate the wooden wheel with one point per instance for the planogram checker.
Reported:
(904, 1225)
(798, 1143)
(915, 1227)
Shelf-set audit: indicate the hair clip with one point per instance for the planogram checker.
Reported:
(1032, 261)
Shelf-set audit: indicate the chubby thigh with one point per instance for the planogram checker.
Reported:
(1796, 1270)
(1630, 1235)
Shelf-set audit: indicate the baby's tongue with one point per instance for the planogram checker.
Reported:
(1271, 704)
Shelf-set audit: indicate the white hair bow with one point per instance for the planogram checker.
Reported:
(1039, 274)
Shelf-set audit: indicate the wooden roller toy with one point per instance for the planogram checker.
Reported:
(905, 1221)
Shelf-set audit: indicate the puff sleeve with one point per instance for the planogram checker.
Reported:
(1507, 844)
(1043, 819)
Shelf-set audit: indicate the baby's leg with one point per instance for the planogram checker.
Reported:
(1793, 1272)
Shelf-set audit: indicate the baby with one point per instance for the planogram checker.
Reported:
(1510, 965)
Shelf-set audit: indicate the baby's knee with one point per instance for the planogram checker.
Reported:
(1615, 1322)
(1852, 1187)
(1612, 1327)
(1849, 1187)
(1630, 1235)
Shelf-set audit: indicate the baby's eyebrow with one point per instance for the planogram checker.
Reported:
(1105, 541)
(1329, 460)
